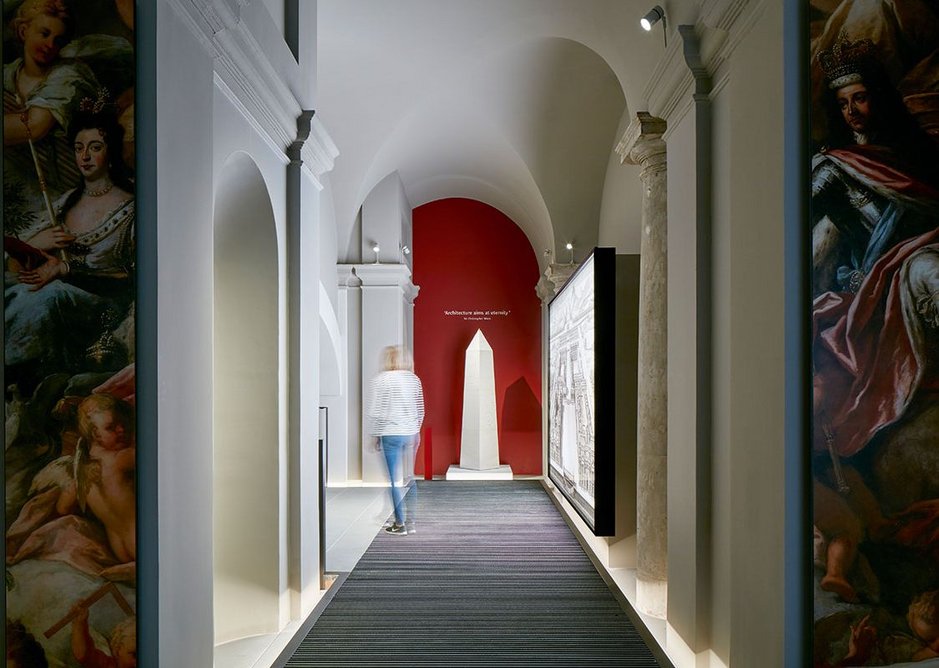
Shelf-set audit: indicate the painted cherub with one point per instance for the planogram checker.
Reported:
(123, 643)
(923, 617)
(104, 467)
(100, 478)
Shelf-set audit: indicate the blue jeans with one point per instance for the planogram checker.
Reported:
(399, 450)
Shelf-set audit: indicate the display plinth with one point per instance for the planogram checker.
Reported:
(503, 472)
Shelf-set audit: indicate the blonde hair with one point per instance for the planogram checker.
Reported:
(30, 9)
(396, 358)
(926, 607)
(122, 411)
(124, 635)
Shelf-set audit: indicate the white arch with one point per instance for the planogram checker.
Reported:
(246, 492)
(332, 381)
(526, 124)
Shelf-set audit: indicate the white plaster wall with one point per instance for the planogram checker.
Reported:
(682, 375)
(757, 504)
(330, 377)
(338, 458)
(305, 473)
(383, 324)
(233, 133)
(407, 226)
(350, 309)
(334, 390)
(184, 159)
(247, 545)
(386, 219)
(620, 208)
(327, 251)
(722, 349)
(275, 9)
(197, 129)
(741, 622)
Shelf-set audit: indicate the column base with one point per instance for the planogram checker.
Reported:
(652, 597)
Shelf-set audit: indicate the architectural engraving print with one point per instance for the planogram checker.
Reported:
(571, 391)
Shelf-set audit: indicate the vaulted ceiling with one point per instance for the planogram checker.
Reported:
(515, 103)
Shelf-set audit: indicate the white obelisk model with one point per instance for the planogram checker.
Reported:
(479, 443)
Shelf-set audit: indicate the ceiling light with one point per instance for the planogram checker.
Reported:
(653, 16)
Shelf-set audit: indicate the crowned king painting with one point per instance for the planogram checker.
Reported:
(874, 215)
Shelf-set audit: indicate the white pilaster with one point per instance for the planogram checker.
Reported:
(385, 318)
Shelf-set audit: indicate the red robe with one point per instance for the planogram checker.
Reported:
(869, 360)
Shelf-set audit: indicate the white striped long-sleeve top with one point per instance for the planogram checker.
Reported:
(396, 404)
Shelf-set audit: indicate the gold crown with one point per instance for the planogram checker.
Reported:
(97, 105)
(846, 62)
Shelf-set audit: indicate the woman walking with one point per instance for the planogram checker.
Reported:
(395, 415)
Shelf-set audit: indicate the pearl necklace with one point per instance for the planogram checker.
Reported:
(100, 191)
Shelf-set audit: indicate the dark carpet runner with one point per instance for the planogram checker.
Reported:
(493, 577)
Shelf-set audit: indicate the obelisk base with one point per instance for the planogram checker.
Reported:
(503, 472)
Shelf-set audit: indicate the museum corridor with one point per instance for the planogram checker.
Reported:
(492, 576)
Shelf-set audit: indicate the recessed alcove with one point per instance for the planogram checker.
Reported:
(245, 481)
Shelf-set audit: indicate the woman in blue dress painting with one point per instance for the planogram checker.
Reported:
(71, 282)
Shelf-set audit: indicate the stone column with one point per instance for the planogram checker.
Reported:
(642, 145)
(548, 285)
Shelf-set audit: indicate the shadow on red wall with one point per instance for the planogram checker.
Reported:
(477, 270)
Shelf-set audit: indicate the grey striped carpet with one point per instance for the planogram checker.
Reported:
(493, 577)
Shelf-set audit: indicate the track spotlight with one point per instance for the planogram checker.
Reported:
(652, 17)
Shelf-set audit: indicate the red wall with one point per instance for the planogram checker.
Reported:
(469, 256)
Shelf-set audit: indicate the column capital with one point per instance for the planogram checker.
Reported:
(553, 278)
(544, 289)
(347, 277)
(373, 275)
(384, 275)
(410, 292)
(642, 143)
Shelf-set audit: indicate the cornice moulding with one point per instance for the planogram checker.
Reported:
(722, 25)
(319, 152)
(253, 84)
(200, 21)
(723, 14)
(376, 275)
(252, 120)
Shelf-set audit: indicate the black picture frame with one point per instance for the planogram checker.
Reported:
(583, 314)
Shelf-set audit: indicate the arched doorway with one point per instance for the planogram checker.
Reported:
(246, 439)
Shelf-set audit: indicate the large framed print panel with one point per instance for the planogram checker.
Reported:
(874, 307)
(69, 240)
(581, 377)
